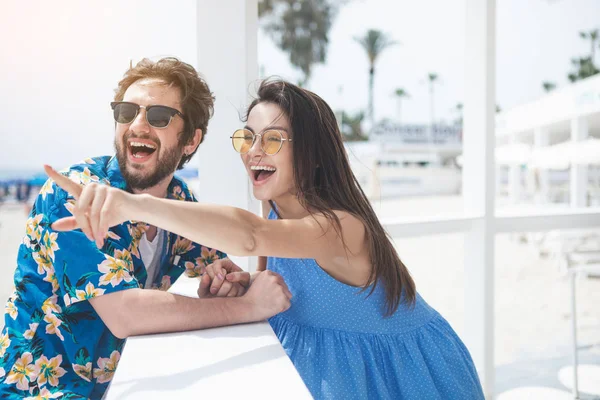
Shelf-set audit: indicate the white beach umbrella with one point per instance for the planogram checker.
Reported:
(562, 155)
(586, 152)
(459, 160)
(511, 154)
(507, 155)
(557, 156)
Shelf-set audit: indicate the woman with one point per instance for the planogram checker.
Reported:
(357, 327)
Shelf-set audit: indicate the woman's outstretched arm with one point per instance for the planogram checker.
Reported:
(233, 230)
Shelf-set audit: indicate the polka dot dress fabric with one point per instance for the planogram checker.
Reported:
(344, 348)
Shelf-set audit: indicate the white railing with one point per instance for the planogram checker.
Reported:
(503, 222)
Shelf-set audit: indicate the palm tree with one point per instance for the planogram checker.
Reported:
(432, 78)
(458, 108)
(373, 42)
(301, 29)
(548, 86)
(352, 126)
(400, 94)
(593, 36)
(572, 77)
(584, 68)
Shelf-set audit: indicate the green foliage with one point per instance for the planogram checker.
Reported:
(374, 42)
(352, 127)
(583, 68)
(401, 93)
(301, 29)
(548, 86)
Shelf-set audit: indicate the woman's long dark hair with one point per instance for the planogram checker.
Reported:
(325, 182)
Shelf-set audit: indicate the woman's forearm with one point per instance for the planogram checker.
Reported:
(228, 229)
(99, 207)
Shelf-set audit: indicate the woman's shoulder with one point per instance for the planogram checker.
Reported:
(351, 225)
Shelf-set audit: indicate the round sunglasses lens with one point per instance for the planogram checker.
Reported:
(242, 140)
(271, 142)
(125, 113)
(158, 117)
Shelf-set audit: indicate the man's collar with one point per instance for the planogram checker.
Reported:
(115, 177)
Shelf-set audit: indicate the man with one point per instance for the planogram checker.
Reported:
(75, 301)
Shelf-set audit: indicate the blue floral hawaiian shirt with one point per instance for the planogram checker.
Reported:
(54, 345)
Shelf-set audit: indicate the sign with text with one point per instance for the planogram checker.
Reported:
(418, 134)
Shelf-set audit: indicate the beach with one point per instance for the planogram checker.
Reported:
(532, 309)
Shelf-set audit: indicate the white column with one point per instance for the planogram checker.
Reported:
(515, 175)
(542, 139)
(227, 58)
(478, 185)
(498, 178)
(579, 175)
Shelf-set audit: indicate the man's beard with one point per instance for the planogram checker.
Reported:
(165, 165)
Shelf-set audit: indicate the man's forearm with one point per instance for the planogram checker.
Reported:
(137, 311)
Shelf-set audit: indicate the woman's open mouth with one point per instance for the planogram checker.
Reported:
(260, 173)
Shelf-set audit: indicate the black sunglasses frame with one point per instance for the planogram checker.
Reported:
(172, 112)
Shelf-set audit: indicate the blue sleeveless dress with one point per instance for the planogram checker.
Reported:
(343, 347)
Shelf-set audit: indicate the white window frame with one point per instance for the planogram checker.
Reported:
(228, 60)
(480, 223)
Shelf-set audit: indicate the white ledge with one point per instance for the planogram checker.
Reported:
(515, 221)
(243, 361)
(420, 226)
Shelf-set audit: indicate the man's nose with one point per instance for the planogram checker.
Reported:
(139, 123)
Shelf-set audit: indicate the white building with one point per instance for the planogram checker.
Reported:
(401, 160)
(554, 142)
(547, 152)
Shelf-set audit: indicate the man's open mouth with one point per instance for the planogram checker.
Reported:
(140, 150)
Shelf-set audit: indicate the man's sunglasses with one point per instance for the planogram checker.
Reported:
(271, 141)
(157, 116)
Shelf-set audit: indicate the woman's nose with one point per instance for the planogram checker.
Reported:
(256, 147)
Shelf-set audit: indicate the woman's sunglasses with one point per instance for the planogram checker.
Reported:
(271, 141)
(157, 116)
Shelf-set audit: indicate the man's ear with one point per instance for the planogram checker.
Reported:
(193, 144)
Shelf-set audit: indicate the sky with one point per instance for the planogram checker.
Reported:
(535, 41)
(60, 65)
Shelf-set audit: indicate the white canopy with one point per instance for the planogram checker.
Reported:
(562, 155)
(510, 154)
(558, 156)
(513, 154)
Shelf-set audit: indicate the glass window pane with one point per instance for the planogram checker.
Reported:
(533, 318)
